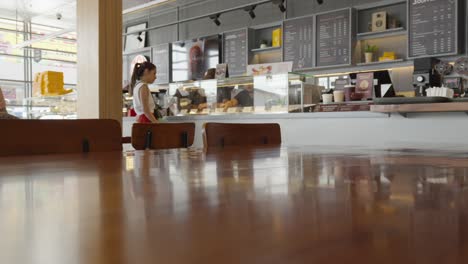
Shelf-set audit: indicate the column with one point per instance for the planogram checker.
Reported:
(99, 27)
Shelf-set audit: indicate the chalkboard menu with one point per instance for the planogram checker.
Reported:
(235, 51)
(432, 27)
(161, 58)
(333, 38)
(299, 42)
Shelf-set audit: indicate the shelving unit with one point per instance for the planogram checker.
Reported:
(259, 34)
(380, 62)
(389, 40)
(268, 49)
(394, 10)
(382, 34)
(319, 72)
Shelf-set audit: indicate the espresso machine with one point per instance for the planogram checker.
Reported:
(425, 76)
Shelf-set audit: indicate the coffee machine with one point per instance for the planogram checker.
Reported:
(425, 76)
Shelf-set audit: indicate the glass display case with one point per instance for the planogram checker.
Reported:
(275, 93)
(56, 107)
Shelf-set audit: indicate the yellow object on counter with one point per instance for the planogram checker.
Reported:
(406, 94)
(276, 38)
(49, 83)
(388, 56)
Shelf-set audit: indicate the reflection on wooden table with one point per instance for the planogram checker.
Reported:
(272, 205)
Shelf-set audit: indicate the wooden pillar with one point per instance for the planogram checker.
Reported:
(99, 27)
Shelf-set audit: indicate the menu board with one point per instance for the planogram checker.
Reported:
(333, 38)
(299, 42)
(161, 58)
(432, 27)
(235, 51)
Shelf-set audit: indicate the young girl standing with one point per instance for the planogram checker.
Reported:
(143, 74)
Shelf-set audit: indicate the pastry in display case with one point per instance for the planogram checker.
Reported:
(273, 93)
(45, 107)
(50, 99)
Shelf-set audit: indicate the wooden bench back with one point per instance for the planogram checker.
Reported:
(34, 137)
(162, 136)
(219, 135)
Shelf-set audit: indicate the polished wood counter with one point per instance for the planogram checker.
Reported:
(275, 205)
(421, 108)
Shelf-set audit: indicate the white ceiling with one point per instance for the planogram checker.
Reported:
(45, 11)
(41, 11)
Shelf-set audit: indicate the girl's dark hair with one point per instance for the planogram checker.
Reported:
(138, 71)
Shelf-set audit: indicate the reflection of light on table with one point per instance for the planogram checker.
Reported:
(129, 163)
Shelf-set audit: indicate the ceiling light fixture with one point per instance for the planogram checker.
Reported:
(215, 19)
(280, 4)
(250, 10)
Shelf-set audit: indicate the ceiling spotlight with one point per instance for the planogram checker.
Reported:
(280, 4)
(251, 9)
(215, 19)
(319, 2)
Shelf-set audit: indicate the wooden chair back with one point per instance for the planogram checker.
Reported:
(220, 135)
(35, 137)
(162, 135)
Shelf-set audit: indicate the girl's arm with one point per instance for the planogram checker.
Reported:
(144, 95)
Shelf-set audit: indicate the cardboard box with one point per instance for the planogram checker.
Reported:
(379, 21)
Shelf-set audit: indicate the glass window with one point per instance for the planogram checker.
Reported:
(323, 81)
(56, 54)
(14, 95)
(8, 39)
(11, 68)
(331, 81)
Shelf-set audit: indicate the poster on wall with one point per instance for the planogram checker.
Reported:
(299, 42)
(334, 38)
(136, 41)
(192, 58)
(433, 28)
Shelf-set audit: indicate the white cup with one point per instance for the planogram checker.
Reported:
(327, 98)
(339, 96)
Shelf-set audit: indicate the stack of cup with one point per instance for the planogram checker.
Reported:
(339, 96)
(327, 98)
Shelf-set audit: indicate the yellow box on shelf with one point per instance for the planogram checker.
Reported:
(388, 56)
(276, 38)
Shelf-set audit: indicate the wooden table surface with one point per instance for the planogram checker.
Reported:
(280, 205)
